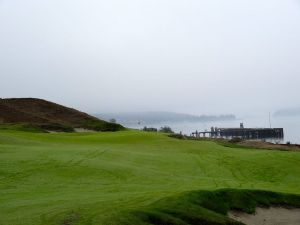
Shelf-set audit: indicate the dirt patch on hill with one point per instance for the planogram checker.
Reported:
(268, 216)
(268, 145)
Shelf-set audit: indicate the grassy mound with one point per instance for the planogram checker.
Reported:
(100, 126)
(50, 116)
(206, 207)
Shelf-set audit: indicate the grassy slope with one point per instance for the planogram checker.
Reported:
(49, 116)
(205, 207)
(58, 178)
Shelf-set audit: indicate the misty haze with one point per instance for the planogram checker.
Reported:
(197, 57)
(131, 112)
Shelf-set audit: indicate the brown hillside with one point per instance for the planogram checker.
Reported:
(49, 115)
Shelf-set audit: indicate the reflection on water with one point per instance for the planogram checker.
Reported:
(291, 126)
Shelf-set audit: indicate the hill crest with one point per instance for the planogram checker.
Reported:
(49, 115)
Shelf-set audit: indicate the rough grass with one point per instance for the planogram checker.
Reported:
(205, 207)
(98, 178)
(22, 127)
(99, 125)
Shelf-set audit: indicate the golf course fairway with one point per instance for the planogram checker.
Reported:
(94, 178)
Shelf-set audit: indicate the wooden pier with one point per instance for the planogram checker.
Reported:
(244, 133)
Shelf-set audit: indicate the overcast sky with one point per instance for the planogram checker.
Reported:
(193, 56)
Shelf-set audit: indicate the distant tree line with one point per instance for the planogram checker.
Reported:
(165, 129)
(112, 120)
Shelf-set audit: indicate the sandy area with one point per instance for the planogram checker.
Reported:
(82, 130)
(77, 130)
(268, 216)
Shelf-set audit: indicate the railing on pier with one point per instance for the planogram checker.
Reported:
(244, 133)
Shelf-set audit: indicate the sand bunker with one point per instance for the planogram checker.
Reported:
(83, 130)
(268, 216)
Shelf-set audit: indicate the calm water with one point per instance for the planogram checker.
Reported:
(291, 126)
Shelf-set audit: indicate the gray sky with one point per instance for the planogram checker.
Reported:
(193, 56)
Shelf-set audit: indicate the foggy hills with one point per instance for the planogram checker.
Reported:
(159, 117)
(287, 112)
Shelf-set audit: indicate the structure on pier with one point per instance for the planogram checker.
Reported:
(241, 132)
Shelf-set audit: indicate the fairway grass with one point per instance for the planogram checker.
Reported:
(92, 178)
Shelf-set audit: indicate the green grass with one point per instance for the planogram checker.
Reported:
(205, 207)
(103, 178)
(22, 127)
(101, 125)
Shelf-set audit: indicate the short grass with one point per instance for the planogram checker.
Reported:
(93, 178)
